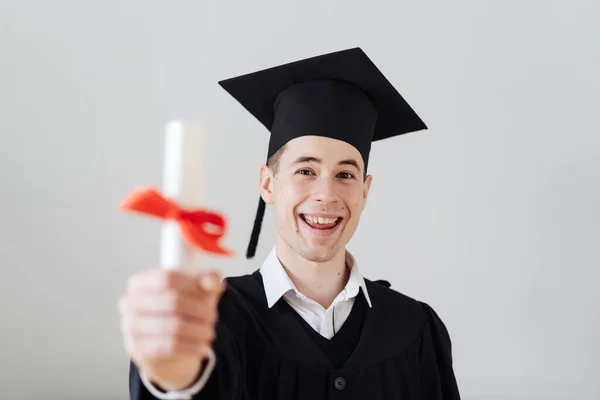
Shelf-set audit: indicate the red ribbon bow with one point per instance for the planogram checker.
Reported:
(192, 223)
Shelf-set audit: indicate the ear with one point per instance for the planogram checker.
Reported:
(366, 188)
(266, 184)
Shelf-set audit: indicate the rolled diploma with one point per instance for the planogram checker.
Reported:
(182, 182)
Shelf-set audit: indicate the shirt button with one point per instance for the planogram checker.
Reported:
(339, 383)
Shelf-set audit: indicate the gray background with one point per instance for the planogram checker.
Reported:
(491, 215)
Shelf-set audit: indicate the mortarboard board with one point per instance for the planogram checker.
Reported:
(341, 95)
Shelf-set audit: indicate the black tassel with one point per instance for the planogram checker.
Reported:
(260, 213)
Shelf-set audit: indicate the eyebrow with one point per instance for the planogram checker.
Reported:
(310, 159)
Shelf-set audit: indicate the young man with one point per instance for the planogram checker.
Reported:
(306, 325)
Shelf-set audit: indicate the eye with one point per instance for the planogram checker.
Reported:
(346, 175)
(304, 172)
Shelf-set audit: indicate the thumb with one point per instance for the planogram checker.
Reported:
(211, 282)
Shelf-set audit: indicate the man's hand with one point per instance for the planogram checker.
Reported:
(168, 322)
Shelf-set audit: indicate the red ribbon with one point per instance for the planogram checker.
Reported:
(192, 223)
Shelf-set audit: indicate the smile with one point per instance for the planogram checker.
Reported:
(321, 225)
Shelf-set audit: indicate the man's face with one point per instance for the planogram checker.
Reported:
(318, 194)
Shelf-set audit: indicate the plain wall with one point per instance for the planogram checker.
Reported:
(491, 216)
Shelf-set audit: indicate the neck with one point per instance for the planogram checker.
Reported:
(319, 281)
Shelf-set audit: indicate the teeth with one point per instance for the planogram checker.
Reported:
(320, 220)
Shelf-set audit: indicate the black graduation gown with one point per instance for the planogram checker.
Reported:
(403, 352)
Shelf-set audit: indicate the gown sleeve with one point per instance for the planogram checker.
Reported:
(438, 381)
(226, 382)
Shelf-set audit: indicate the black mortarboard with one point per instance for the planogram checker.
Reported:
(341, 95)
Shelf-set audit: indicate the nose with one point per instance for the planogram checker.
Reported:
(324, 191)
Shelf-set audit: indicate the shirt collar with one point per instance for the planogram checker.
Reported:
(277, 282)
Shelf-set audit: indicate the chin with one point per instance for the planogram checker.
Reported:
(319, 254)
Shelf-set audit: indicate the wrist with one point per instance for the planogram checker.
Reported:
(182, 380)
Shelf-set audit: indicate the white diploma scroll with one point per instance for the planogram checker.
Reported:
(182, 183)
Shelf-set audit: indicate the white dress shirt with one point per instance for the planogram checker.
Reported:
(328, 321)
(277, 284)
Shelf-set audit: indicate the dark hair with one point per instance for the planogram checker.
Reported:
(273, 161)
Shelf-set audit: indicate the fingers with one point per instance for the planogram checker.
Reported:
(194, 306)
(152, 347)
(169, 314)
(168, 325)
(157, 280)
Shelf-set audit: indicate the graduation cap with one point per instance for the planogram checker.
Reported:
(340, 95)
